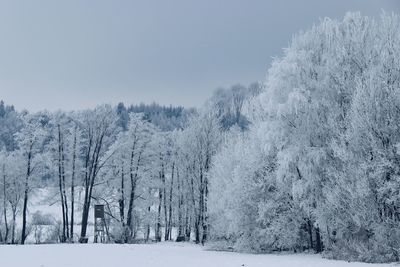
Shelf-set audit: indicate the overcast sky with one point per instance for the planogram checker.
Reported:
(74, 54)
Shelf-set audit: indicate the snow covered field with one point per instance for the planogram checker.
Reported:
(162, 254)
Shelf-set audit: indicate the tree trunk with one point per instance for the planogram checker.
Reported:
(14, 216)
(129, 221)
(64, 191)
(188, 223)
(205, 201)
(60, 174)
(147, 237)
(88, 170)
(166, 235)
(318, 241)
(205, 216)
(134, 178)
(85, 210)
(310, 233)
(180, 203)
(121, 201)
(5, 204)
(170, 202)
(73, 186)
(196, 215)
(148, 228)
(26, 191)
(158, 225)
(200, 216)
(92, 167)
(85, 213)
(197, 229)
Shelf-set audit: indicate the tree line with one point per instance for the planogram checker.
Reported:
(147, 164)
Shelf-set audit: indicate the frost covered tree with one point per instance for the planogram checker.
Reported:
(30, 143)
(98, 133)
(12, 192)
(328, 146)
(199, 144)
(64, 147)
(368, 205)
(134, 147)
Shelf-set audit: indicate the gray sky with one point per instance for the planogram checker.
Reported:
(75, 54)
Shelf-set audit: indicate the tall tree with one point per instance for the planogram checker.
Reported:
(30, 140)
(98, 131)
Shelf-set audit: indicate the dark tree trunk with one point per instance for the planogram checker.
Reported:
(205, 214)
(310, 233)
(64, 192)
(166, 235)
(134, 179)
(158, 224)
(14, 221)
(5, 204)
(60, 183)
(197, 229)
(180, 204)
(121, 201)
(170, 201)
(188, 223)
(85, 213)
(205, 201)
(73, 185)
(200, 216)
(196, 215)
(63, 195)
(26, 191)
(129, 220)
(318, 241)
(92, 167)
(86, 187)
(131, 196)
(147, 237)
(199, 219)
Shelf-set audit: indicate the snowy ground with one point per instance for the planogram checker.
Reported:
(163, 255)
